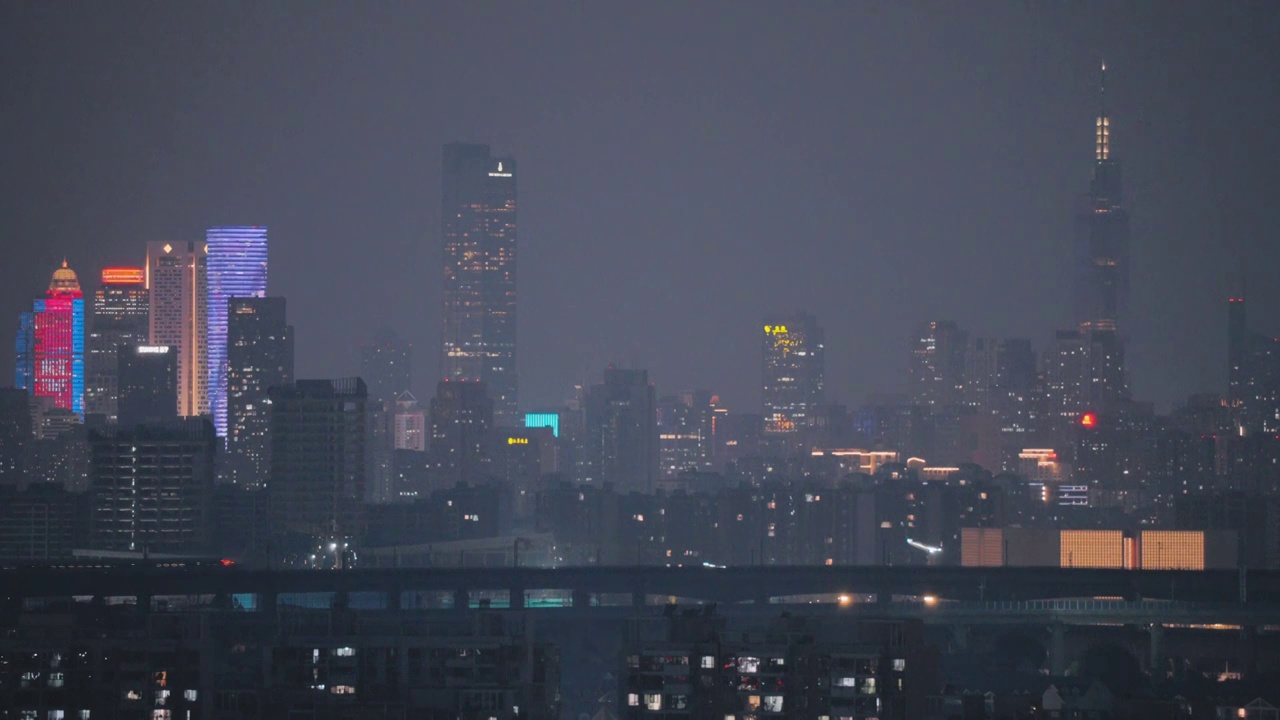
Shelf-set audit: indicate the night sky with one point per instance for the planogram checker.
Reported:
(686, 169)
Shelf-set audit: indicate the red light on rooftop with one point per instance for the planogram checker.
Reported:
(227, 563)
(1088, 420)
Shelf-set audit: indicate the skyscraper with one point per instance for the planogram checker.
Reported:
(461, 415)
(621, 432)
(178, 285)
(937, 365)
(1253, 374)
(120, 316)
(1102, 233)
(148, 384)
(237, 269)
(794, 353)
(259, 356)
(317, 485)
(479, 253)
(386, 366)
(50, 344)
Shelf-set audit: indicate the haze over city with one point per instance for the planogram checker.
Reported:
(685, 170)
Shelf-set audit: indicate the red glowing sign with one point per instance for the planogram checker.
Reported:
(1088, 420)
(123, 276)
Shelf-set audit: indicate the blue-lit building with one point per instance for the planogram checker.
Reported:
(237, 267)
(543, 419)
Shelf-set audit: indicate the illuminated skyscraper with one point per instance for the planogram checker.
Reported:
(259, 356)
(479, 238)
(177, 281)
(50, 344)
(1253, 379)
(1102, 232)
(794, 372)
(120, 316)
(237, 269)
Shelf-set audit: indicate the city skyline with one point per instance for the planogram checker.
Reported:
(967, 174)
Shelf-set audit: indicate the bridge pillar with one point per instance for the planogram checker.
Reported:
(461, 599)
(393, 600)
(143, 602)
(581, 599)
(516, 596)
(960, 637)
(1156, 633)
(1249, 651)
(637, 598)
(1057, 649)
(268, 601)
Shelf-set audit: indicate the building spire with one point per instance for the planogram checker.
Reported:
(1102, 138)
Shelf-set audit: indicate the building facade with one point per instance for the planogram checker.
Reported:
(120, 316)
(259, 356)
(479, 251)
(794, 352)
(237, 268)
(461, 416)
(50, 344)
(177, 283)
(148, 384)
(621, 431)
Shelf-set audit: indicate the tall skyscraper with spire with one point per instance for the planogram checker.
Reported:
(1102, 233)
(177, 283)
(237, 269)
(479, 255)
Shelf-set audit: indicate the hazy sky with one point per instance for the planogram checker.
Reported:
(686, 169)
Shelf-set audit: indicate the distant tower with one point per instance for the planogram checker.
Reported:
(237, 269)
(794, 371)
(177, 280)
(461, 416)
(50, 344)
(621, 432)
(120, 316)
(386, 366)
(1102, 233)
(938, 365)
(479, 254)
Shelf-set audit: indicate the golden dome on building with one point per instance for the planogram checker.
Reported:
(64, 279)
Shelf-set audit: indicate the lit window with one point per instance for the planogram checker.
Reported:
(189, 695)
(344, 652)
(708, 661)
(899, 665)
(653, 701)
(343, 690)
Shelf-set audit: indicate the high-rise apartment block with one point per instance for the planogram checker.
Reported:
(794, 352)
(259, 357)
(148, 384)
(462, 414)
(177, 281)
(50, 344)
(621, 432)
(479, 250)
(938, 365)
(237, 268)
(120, 316)
(386, 366)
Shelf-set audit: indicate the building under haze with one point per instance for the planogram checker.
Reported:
(50, 344)
(16, 435)
(177, 281)
(462, 414)
(1253, 374)
(479, 239)
(386, 366)
(259, 356)
(1102, 227)
(148, 384)
(152, 486)
(120, 316)
(794, 351)
(938, 365)
(621, 432)
(237, 268)
(318, 468)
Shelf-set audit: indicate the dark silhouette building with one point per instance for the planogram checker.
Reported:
(461, 416)
(317, 484)
(621, 436)
(259, 357)
(16, 435)
(152, 486)
(147, 383)
(386, 366)
(794, 372)
(938, 365)
(479, 250)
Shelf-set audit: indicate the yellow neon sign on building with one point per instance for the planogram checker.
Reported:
(517, 441)
(775, 329)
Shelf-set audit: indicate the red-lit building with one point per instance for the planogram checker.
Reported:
(50, 343)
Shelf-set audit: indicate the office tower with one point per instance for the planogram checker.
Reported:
(237, 268)
(50, 344)
(684, 432)
(410, 424)
(794, 352)
(479, 238)
(318, 466)
(259, 356)
(1066, 369)
(981, 359)
(937, 365)
(178, 293)
(621, 432)
(386, 366)
(1253, 374)
(1102, 233)
(152, 486)
(120, 316)
(15, 434)
(148, 384)
(462, 414)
